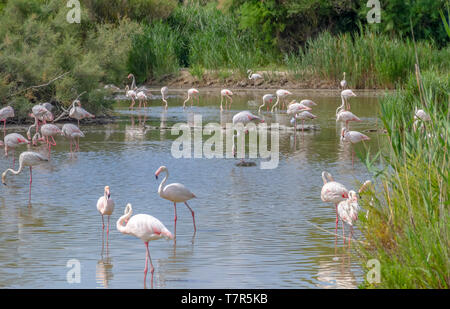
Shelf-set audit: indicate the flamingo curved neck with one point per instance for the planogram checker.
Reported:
(250, 75)
(133, 83)
(340, 108)
(162, 184)
(120, 226)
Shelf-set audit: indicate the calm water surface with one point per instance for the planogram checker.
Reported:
(253, 226)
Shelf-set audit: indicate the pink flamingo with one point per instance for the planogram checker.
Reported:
(191, 93)
(146, 228)
(142, 98)
(348, 212)
(294, 108)
(79, 113)
(244, 118)
(308, 103)
(13, 140)
(228, 96)
(5, 113)
(343, 115)
(345, 95)
(164, 92)
(105, 206)
(267, 98)
(130, 93)
(27, 158)
(71, 131)
(353, 137)
(305, 115)
(176, 193)
(281, 93)
(40, 113)
(50, 130)
(333, 192)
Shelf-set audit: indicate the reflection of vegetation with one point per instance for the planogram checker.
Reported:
(407, 226)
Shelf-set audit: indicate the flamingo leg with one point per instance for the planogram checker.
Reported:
(54, 143)
(353, 154)
(31, 181)
(337, 219)
(4, 127)
(175, 221)
(221, 100)
(107, 230)
(343, 232)
(103, 224)
(148, 259)
(193, 217)
(351, 234)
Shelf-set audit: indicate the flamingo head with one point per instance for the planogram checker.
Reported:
(130, 75)
(345, 194)
(160, 169)
(107, 192)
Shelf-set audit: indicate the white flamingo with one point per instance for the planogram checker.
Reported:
(353, 137)
(420, 115)
(50, 130)
(105, 206)
(348, 212)
(305, 115)
(5, 113)
(343, 83)
(333, 192)
(228, 96)
(281, 93)
(176, 193)
(144, 227)
(345, 95)
(244, 118)
(71, 131)
(79, 113)
(164, 92)
(130, 93)
(253, 76)
(267, 99)
(27, 158)
(191, 94)
(142, 98)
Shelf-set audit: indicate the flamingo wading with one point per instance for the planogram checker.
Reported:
(105, 206)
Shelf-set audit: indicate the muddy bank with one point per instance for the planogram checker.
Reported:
(270, 80)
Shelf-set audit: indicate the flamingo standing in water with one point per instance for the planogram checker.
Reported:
(343, 83)
(176, 193)
(305, 115)
(345, 95)
(130, 93)
(353, 137)
(253, 76)
(27, 158)
(105, 206)
(348, 212)
(294, 108)
(142, 98)
(71, 131)
(164, 92)
(228, 96)
(191, 94)
(79, 113)
(13, 140)
(40, 113)
(333, 192)
(5, 113)
(146, 228)
(50, 130)
(308, 103)
(267, 99)
(244, 118)
(281, 93)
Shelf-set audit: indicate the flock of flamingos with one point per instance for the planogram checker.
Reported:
(147, 227)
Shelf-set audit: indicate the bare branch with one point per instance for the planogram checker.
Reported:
(39, 86)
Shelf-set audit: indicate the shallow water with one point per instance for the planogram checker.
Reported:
(256, 228)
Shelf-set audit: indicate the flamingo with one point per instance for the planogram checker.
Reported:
(164, 92)
(50, 130)
(343, 83)
(176, 193)
(105, 206)
(333, 192)
(345, 95)
(13, 140)
(353, 137)
(71, 131)
(343, 115)
(144, 227)
(228, 96)
(267, 98)
(305, 115)
(40, 113)
(130, 93)
(281, 93)
(5, 113)
(308, 103)
(79, 113)
(294, 108)
(253, 76)
(142, 97)
(191, 93)
(348, 212)
(27, 158)
(420, 115)
(243, 117)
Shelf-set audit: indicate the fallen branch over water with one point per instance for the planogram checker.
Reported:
(39, 86)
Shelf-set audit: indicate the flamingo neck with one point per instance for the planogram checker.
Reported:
(13, 171)
(340, 108)
(163, 182)
(250, 75)
(120, 223)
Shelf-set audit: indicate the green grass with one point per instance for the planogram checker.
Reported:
(407, 228)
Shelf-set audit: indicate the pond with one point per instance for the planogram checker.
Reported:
(256, 228)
